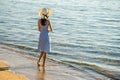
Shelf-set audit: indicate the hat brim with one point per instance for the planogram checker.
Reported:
(48, 14)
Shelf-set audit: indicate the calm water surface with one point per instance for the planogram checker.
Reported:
(86, 32)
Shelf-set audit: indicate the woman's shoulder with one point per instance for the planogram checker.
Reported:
(48, 21)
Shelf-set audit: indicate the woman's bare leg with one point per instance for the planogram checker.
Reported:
(42, 53)
(44, 59)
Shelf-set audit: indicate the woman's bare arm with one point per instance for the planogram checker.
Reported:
(39, 25)
(50, 26)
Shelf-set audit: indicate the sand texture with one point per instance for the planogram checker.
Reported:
(24, 64)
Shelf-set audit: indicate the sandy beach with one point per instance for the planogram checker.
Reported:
(21, 64)
(8, 75)
(24, 65)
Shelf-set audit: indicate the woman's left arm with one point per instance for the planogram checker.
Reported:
(50, 25)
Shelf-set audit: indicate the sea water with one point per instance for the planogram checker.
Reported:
(86, 33)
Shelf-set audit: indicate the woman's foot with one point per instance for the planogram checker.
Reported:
(38, 64)
(43, 65)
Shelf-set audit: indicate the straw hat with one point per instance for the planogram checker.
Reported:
(45, 13)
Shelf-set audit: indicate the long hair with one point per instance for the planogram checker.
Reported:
(43, 21)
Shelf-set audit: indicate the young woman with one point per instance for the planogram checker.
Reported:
(44, 27)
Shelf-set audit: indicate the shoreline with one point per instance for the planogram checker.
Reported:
(25, 64)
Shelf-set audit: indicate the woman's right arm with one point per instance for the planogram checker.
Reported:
(39, 25)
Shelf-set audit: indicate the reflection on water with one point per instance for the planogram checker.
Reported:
(41, 74)
(87, 34)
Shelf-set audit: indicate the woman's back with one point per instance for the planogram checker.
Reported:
(44, 25)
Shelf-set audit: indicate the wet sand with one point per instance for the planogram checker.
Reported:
(8, 75)
(24, 64)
